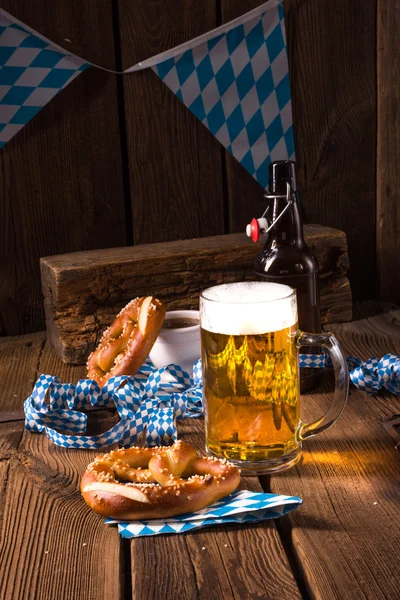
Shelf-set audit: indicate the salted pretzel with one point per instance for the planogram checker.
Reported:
(160, 482)
(126, 343)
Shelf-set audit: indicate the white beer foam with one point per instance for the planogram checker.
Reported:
(248, 308)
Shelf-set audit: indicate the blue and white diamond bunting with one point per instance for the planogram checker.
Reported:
(237, 85)
(234, 79)
(32, 72)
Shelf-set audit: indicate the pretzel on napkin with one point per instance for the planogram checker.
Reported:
(161, 482)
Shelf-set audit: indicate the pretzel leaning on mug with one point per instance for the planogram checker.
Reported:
(125, 345)
(156, 488)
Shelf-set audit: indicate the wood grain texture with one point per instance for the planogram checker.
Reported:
(52, 546)
(388, 150)
(76, 26)
(61, 180)
(370, 334)
(332, 62)
(84, 291)
(245, 562)
(19, 363)
(10, 437)
(342, 541)
(349, 481)
(163, 25)
(50, 363)
(60, 546)
(345, 536)
(174, 162)
(386, 314)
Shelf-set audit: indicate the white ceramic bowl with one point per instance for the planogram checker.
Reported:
(178, 346)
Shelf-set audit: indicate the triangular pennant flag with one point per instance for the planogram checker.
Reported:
(32, 72)
(237, 85)
(234, 79)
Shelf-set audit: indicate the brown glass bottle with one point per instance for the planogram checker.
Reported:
(287, 259)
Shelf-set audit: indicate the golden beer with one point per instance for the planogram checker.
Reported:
(250, 344)
(250, 371)
(252, 392)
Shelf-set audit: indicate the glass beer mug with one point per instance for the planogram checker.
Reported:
(250, 343)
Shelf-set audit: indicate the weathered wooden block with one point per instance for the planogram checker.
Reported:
(83, 291)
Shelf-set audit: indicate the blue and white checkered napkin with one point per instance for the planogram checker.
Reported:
(240, 507)
(142, 402)
(369, 376)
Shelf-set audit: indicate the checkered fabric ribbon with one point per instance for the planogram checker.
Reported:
(142, 402)
(234, 79)
(369, 376)
(146, 402)
(241, 507)
(374, 374)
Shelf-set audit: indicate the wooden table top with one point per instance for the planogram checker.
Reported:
(343, 542)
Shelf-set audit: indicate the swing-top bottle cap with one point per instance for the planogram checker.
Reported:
(282, 172)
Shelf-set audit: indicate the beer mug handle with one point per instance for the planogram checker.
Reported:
(330, 343)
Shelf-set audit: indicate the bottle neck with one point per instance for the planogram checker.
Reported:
(288, 231)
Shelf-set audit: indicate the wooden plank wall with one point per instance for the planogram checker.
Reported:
(174, 162)
(61, 181)
(119, 160)
(388, 148)
(332, 52)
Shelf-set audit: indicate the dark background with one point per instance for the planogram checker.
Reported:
(117, 160)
